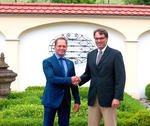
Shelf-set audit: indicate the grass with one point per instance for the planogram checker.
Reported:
(25, 109)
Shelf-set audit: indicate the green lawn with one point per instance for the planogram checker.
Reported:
(25, 109)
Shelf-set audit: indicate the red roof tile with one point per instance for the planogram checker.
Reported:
(74, 9)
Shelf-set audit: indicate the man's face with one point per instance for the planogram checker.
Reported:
(61, 47)
(100, 40)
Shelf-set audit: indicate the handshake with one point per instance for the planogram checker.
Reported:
(75, 80)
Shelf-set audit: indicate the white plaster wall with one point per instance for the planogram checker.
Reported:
(2, 43)
(33, 48)
(143, 62)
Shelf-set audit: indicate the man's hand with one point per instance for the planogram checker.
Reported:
(76, 107)
(75, 80)
(115, 103)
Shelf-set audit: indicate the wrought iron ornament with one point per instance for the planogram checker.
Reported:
(78, 47)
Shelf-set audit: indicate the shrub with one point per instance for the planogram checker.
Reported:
(126, 119)
(16, 95)
(127, 122)
(33, 88)
(4, 103)
(78, 121)
(124, 114)
(25, 109)
(147, 91)
(83, 92)
(130, 104)
(21, 122)
(143, 118)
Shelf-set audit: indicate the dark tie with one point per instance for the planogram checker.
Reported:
(62, 65)
(99, 56)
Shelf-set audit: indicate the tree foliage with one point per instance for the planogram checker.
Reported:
(55, 1)
(73, 1)
(134, 2)
(138, 2)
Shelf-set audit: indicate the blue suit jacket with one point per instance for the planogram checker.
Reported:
(57, 86)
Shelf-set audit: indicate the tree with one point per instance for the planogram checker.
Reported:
(73, 1)
(32, 1)
(138, 2)
(147, 2)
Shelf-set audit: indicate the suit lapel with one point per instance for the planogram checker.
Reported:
(57, 64)
(105, 54)
(94, 57)
(60, 68)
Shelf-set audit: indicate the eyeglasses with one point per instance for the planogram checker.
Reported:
(101, 38)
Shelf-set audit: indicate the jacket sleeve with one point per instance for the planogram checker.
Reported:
(86, 76)
(74, 89)
(120, 77)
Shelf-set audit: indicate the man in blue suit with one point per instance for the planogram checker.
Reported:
(59, 73)
(105, 68)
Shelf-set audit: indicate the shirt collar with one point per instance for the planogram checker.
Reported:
(58, 57)
(103, 49)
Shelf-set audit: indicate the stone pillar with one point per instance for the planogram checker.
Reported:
(131, 55)
(12, 54)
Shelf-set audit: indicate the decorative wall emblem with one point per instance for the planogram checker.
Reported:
(78, 47)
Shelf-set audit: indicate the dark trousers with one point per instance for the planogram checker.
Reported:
(63, 115)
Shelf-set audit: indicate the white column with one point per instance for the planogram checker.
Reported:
(12, 59)
(131, 68)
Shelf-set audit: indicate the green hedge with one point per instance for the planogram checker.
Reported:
(21, 122)
(25, 109)
(147, 91)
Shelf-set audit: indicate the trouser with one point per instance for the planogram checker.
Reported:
(63, 115)
(96, 112)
